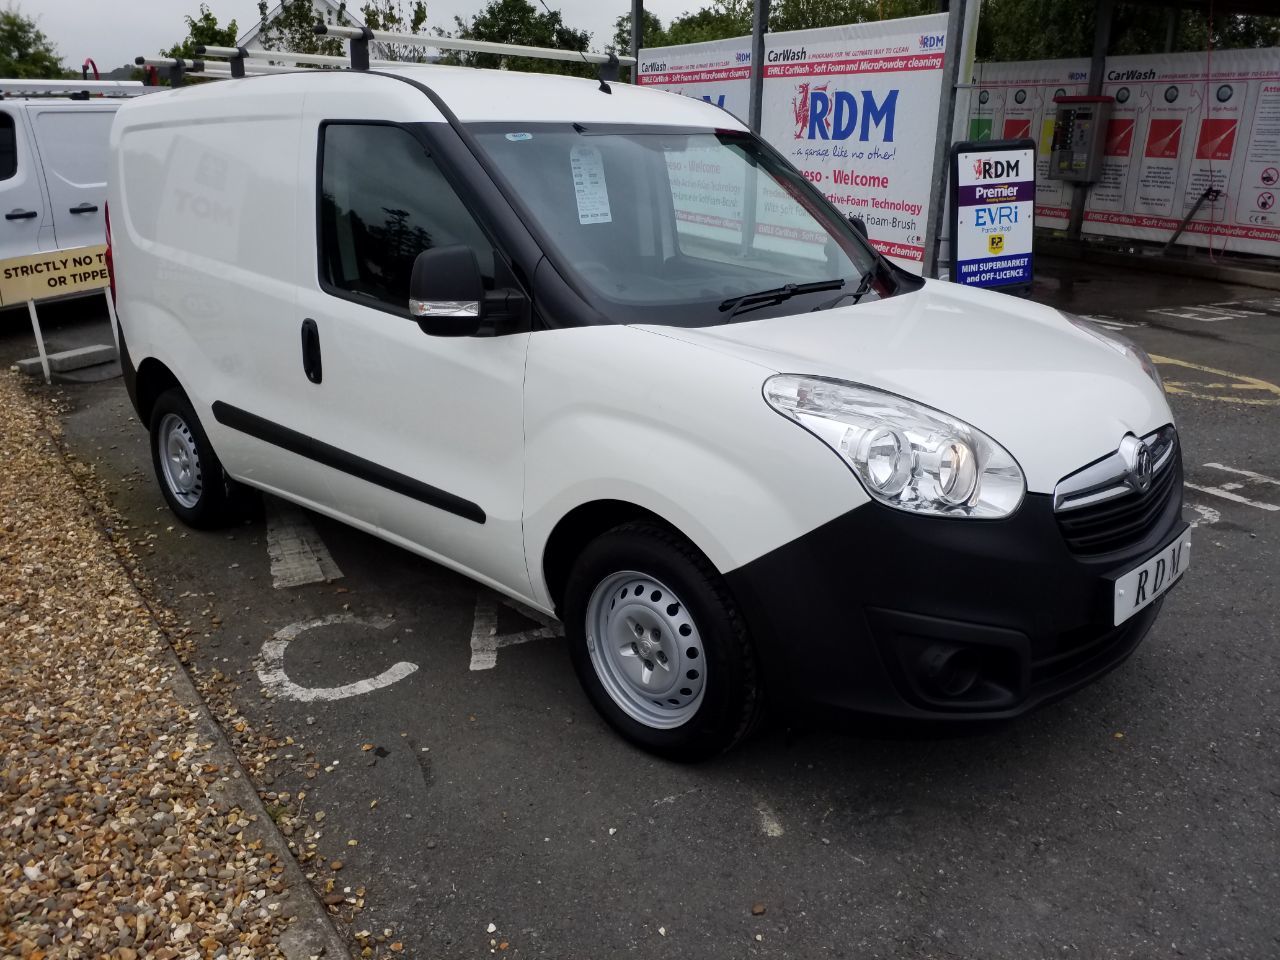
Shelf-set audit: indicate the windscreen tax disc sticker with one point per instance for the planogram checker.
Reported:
(519, 137)
(587, 167)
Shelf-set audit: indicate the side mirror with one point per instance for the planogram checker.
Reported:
(446, 293)
(859, 224)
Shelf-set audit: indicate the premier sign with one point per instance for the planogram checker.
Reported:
(993, 197)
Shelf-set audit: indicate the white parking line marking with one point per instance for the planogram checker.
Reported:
(1110, 322)
(1259, 477)
(298, 555)
(1234, 497)
(1208, 515)
(769, 823)
(485, 641)
(276, 683)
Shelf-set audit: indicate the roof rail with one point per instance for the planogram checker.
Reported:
(76, 88)
(238, 59)
(364, 35)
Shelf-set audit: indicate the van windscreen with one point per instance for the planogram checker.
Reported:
(673, 226)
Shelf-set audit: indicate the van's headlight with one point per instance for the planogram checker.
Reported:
(1121, 345)
(906, 454)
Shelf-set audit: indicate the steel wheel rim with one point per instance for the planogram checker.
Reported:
(646, 649)
(180, 460)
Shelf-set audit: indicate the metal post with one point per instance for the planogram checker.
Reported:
(35, 328)
(759, 25)
(1103, 14)
(637, 35)
(942, 138)
(1171, 28)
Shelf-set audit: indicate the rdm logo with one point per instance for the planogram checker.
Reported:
(995, 169)
(823, 115)
(934, 41)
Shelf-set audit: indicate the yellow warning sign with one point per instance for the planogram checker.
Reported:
(44, 275)
(1209, 383)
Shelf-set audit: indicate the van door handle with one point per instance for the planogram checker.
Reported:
(85, 208)
(21, 215)
(311, 351)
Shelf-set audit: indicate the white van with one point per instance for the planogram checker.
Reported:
(611, 355)
(53, 173)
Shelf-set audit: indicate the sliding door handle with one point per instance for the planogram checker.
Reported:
(21, 215)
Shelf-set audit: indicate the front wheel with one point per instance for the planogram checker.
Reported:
(659, 645)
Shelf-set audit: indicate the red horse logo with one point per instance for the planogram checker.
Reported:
(977, 169)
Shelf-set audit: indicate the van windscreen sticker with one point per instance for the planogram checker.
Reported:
(589, 185)
(518, 137)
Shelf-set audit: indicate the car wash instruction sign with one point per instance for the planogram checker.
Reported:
(994, 197)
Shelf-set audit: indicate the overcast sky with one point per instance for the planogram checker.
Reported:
(113, 32)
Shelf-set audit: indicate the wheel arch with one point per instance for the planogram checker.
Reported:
(152, 379)
(579, 527)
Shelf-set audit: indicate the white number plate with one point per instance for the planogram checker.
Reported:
(1145, 584)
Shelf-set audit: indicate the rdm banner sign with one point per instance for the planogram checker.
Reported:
(993, 198)
(854, 108)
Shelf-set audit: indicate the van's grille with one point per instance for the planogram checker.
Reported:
(1121, 522)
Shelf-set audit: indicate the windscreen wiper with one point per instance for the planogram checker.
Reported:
(862, 289)
(778, 294)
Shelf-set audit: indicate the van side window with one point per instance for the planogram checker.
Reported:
(382, 202)
(8, 146)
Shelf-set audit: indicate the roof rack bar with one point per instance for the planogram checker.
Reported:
(63, 88)
(471, 46)
(235, 56)
(202, 66)
(233, 53)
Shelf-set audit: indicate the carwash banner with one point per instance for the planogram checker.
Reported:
(993, 195)
(718, 72)
(854, 108)
(1015, 101)
(1181, 122)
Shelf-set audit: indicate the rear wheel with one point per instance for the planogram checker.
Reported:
(190, 474)
(659, 645)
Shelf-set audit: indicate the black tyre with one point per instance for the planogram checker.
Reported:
(659, 645)
(190, 474)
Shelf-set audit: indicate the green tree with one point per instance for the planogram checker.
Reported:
(1052, 29)
(808, 14)
(518, 21)
(390, 15)
(203, 30)
(293, 28)
(652, 35)
(25, 52)
(720, 19)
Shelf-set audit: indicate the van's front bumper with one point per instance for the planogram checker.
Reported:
(888, 613)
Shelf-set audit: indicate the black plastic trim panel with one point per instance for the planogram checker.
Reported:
(339, 459)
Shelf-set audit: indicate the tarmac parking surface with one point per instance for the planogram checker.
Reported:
(442, 729)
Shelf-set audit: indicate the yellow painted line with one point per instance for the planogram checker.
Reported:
(1237, 381)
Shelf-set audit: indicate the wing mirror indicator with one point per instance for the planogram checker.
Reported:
(446, 292)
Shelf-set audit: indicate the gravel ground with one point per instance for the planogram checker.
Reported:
(116, 839)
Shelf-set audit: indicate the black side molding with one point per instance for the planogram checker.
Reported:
(339, 459)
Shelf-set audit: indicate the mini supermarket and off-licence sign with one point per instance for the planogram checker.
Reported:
(54, 274)
(993, 198)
